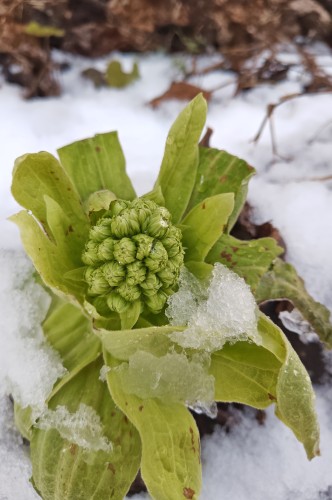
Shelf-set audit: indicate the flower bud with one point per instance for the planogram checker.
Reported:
(117, 303)
(158, 257)
(114, 273)
(125, 251)
(98, 285)
(90, 255)
(134, 256)
(105, 249)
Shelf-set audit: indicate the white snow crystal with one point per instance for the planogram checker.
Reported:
(29, 367)
(83, 427)
(229, 313)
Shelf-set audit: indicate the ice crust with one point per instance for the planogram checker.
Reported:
(172, 377)
(83, 427)
(228, 314)
(28, 365)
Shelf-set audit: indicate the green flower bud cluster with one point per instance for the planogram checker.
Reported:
(133, 254)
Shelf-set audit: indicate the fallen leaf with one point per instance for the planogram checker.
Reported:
(182, 91)
(116, 77)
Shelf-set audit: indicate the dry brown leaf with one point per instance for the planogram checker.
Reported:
(182, 91)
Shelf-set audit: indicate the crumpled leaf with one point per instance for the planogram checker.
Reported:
(249, 259)
(170, 463)
(181, 91)
(116, 77)
(283, 282)
(179, 165)
(64, 469)
(220, 172)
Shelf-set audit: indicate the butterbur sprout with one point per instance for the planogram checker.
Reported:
(134, 254)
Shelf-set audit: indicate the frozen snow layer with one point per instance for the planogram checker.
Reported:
(228, 314)
(83, 427)
(28, 366)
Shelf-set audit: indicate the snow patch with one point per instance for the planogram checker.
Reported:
(172, 377)
(228, 314)
(83, 427)
(29, 367)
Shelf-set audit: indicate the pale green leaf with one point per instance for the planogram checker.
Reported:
(49, 261)
(200, 270)
(96, 164)
(130, 317)
(170, 463)
(295, 398)
(70, 333)
(283, 282)
(249, 259)
(23, 420)
(100, 200)
(39, 175)
(63, 469)
(155, 195)
(179, 166)
(116, 77)
(204, 224)
(245, 373)
(220, 172)
(124, 343)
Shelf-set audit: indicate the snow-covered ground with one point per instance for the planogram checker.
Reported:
(253, 462)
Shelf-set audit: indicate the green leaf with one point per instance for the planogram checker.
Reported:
(96, 164)
(40, 175)
(245, 373)
(124, 343)
(49, 261)
(283, 282)
(65, 470)
(294, 393)
(200, 270)
(40, 31)
(23, 420)
(70, 333)
(100, 200)
(155, 195)
(130, 317)
(249, 259)
(179, 166)
(116, 77)
(170, 463)
(204, 224)
(220, 172)
(69, 243)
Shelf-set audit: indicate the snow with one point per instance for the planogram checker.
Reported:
(83, 427)
(28, 366)
(172, 377)
(252, 462)
(228, 314)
